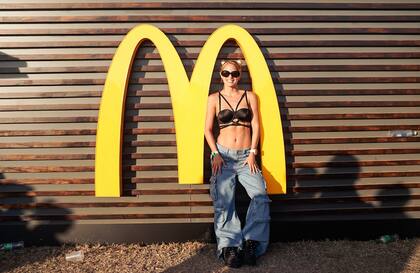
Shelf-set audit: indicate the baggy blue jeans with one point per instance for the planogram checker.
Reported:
(227, 225)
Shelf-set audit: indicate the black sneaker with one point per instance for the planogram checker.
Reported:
(249, 252)
(231, 257)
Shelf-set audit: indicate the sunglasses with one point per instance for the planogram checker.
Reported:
(226, 73)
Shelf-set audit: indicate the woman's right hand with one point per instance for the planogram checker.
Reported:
(216, 164)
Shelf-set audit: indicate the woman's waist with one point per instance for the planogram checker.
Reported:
(233, 150)
(234, 144)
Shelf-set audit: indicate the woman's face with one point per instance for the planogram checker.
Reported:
(230, 81)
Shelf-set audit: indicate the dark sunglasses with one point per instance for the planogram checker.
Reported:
(234, 74)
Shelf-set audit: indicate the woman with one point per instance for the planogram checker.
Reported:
(233, 156)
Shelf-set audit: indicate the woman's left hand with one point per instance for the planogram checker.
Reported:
(253, 167)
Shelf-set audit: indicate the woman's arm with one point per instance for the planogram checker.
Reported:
(217, 161)
(255, 125)
(255, 122)
(208, 129)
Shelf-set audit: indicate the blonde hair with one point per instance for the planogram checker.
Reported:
(236, 63)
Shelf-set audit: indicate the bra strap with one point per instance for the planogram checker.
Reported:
(220, 103)
(239, 102)
(221, 126)
(246, 98)
(226, 101)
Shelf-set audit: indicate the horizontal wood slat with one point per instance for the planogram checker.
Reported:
(363, 116)
(196, 43)
(89, 119)
(276, 215)
(353, 140)
(34, 157)
(141, 180)
(49, 169)
(354, 152)
(354, 163)
(279, 80)
(143, 204)
(291, 199)
(347, 196)
(74, 144)
(92, 193)
(209, 18)
(31, 157)
(85, 119)
(172, 155)
(173, 180)
(74, 217)
(301, 213)
(209, 5)
(131, 93)
(318, 104)
(353, 175)
(158, 68)
(106, 205)
(352, 128)
(47, 181)
(51, 181)
(324, 176)
(347, 187)
(147, 131)
(193, 56)
(352, 104)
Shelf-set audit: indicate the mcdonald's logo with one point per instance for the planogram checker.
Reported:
(186, 94)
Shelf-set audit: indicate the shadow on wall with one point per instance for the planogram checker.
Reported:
(29, 218)
(25, 215)
(18, 200)
(10, 67)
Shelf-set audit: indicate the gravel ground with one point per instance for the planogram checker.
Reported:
(302, 256)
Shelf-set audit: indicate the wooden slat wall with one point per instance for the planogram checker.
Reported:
(346, 74)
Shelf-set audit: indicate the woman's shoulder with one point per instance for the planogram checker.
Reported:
(250, 94)
(212, 96)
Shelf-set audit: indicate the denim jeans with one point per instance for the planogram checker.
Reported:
(222, 190)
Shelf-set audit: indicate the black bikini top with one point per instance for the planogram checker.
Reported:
(233, 117)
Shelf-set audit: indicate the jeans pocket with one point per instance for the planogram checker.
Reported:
(262, 208)
(263, 179)
(213, 189)
(219, 215)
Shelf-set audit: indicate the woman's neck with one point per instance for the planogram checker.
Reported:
(230, 91)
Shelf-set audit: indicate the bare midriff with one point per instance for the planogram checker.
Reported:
(235, 137)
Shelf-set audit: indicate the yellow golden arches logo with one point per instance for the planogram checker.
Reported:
(186, 95)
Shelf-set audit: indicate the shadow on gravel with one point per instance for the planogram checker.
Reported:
(322, 256)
